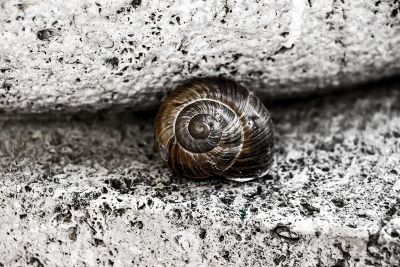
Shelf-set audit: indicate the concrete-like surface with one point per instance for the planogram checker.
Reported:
(83, 54)
(87, 190)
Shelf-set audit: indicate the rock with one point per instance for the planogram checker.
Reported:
(81, 54)
(88, 190)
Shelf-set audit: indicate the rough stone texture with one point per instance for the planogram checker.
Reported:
(93, 54)
(87, 190)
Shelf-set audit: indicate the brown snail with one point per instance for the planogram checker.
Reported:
(214, 127)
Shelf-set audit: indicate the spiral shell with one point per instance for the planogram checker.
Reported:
(214, 127)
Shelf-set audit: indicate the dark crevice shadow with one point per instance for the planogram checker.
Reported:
(118, 114)
(337, 93)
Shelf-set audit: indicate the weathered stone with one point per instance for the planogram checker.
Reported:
(95, 54)
(88, 190)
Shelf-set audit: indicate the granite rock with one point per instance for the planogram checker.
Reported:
(82, 54)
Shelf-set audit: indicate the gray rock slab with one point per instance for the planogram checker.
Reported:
(82, 54)
(87, 190)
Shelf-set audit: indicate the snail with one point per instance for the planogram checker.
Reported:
(214, 127)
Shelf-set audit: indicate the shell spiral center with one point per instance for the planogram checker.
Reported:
(200, 126)
(196, 130)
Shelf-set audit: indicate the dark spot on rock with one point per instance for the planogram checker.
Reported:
(141, 206)
(114, 61)
(225, 255)
(346, 255)
(392, 211)
(329, 14)
(238, 237)
(270, 59)
(73, 233)
(44, 34)
(202, 233)
(105, 208)
(175, 214)
(394, 12)
(98, 242)
(116, 184)
(317, 233)
(309, 209)
(23, 216)
(243, 214)
(141, 54)
(221, 238)
(136, 3)
(362, 216)
(338, 202)
(284, 34)
(120, 212)
(227, 200)
(286, 233)
(64, 216)
(3, 70)
(279, 259)
(194, 67)
(22, 7)
(138, 224)
(395, 234)
(254, 210)
(36, 262)
(121, 186)
(325, 169)
(6, 86)
(28, 188)
(58, 208)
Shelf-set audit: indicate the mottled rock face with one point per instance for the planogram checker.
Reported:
(95, 54)
(88, 190)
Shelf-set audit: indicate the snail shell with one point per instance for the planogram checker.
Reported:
(214, 127)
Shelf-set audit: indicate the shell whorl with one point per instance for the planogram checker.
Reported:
(214, 126)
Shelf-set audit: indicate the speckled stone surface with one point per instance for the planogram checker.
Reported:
(87, 190)
(64, 55)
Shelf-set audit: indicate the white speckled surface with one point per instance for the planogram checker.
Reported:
(95, 54)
